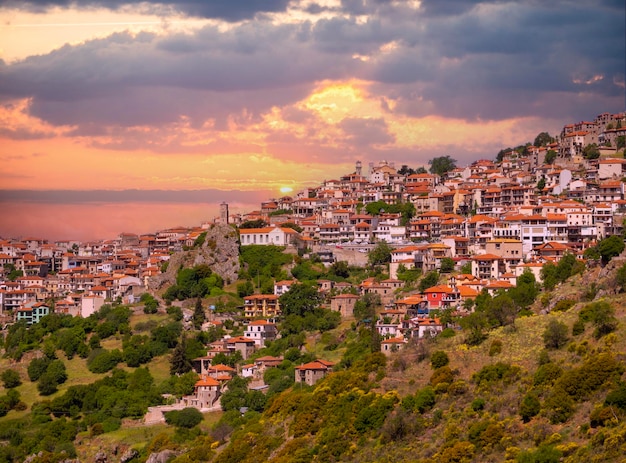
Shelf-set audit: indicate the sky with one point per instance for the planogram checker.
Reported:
(127, 116)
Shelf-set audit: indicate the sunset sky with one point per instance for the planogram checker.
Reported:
(136, 116)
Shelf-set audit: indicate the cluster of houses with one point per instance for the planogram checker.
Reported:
(503, 217)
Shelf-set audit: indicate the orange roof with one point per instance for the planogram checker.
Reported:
(207, 381)
(439, 289)
(316, 365)
(486, 257)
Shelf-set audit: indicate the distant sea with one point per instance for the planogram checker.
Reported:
(86, 216)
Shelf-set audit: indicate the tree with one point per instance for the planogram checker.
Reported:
(548, 275)
(543, 139)
(430, 279)
(186, 418)
(365, 306)
(245, 289)
(501, 310)
(198, 314)
(441, 165)
(602, 315)
(10, 378)
(529, 407)
(47, 384)
(475, 325)
(550, 157)
(340, 269)
(179, 362)
(610, 247)
(380, 255)
(258, 223)
(591, 151)
(405, 170)
(621, 142)
(37, 367)
(300, 300)
(439, 359)
(541, 184)
(555, 335)
(293, 226)
(447, 265)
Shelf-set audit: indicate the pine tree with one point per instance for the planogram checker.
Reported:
(179, 363)
(198, 315)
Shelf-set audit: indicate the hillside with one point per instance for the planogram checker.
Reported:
(519, 395)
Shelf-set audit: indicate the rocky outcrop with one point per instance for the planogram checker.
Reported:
(129, 455)
(161, 457)
(220, 251)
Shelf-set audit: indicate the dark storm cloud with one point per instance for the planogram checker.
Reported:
(465, 59)
(228, 10)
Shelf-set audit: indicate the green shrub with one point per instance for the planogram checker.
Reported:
(102, 360)
(601, 416)
(442, 375)
(558, 406)
(555, 334)
(185, 418)
(447, 333)
(544, 454)
(495, 348)
(10, 378)
(529, 407)
(478, 404)
(597, 370)
(617, 397)
(37, 367)
(547, 373)
(424, 399)
(563, 305)
(578, 327)
(497, 372)
(439, 359)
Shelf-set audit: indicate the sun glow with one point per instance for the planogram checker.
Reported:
(286, 189)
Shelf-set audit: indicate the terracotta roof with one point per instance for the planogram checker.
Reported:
(207, 381)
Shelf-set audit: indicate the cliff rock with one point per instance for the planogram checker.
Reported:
(220, 251)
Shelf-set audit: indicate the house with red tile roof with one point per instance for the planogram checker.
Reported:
(312, 372)
(388, 346)
(206, 393)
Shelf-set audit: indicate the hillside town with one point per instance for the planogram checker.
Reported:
(496, 219)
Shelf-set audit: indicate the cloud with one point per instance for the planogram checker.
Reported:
(226, 10)
(489, 60)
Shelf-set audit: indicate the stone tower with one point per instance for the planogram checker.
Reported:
(358, 168)
(224, 212)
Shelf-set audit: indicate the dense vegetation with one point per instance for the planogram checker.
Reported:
(503, 384)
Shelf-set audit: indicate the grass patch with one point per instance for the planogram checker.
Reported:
(159, 368)
(140, 317)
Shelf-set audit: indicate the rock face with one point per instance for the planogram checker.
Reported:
(161, 457)
(220, 251)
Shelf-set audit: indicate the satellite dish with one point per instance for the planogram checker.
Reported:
(564, 178)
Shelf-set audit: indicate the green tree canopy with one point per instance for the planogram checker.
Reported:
(550, 157)
(380, 255)
(441, 165)
(543, 139)
(300, 300)
(610, 247)
(591, 151)
(258, 223)
(555, 335)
